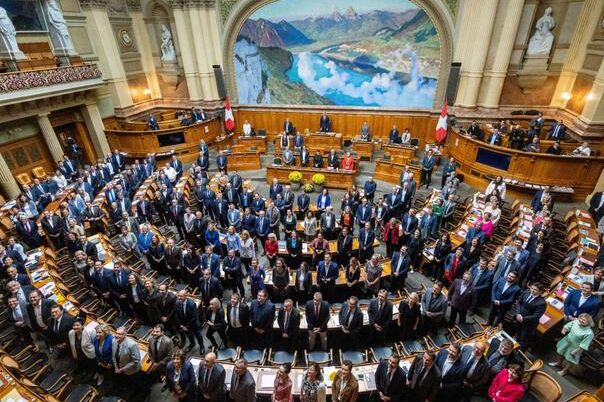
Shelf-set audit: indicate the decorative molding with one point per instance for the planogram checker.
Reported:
(134, 5)
(19, 81)
(226, 6)
(102, 4)
(176, 3)
(199, 3)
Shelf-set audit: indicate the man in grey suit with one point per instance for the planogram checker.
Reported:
(211, 379)
(433, 308)
(125, 352)
(243, 386)
(160, 350)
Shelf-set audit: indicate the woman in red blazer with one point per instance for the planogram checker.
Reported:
(391, 236)
(507, 385)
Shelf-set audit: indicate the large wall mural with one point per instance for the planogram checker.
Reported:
(340, 52)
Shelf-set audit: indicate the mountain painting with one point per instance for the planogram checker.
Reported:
(382, 53)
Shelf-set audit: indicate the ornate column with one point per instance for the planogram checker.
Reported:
(7, 180)
(144, 48)
(59, 33)
(96, 129)
(494, 75)
(480, 14)
(105, 45)
(212, 31)
(187, 51)
(575, 55)
(54, 146)
(203, 49)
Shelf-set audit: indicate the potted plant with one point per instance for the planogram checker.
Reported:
(318, 180)
(308, 188)
(295, 178)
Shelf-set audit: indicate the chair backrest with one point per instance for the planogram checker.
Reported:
(39, 172)
(23, 178)
(544, 387)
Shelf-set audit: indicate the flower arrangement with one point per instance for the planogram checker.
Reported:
(308, 188)
(318, 179)
(295, 177)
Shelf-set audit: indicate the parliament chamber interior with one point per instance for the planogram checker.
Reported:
(284, 200)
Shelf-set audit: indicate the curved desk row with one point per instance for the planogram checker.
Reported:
(342, 179)
(479, 160)
(184, 140)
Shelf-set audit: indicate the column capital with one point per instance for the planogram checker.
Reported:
(134, 5)
(177, 3)
(199, 3)
(87, 4)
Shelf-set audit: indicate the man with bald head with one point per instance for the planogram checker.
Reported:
(243, 386)
(476, 369)
(211, 380)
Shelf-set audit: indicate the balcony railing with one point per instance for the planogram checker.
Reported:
(27, 80)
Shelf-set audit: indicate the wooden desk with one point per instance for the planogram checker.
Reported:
(552, 170)
(390, 172)
(136, 144)
(323, 142)
(224, 142)
(333, 179)
(244, 161)
(401, 154)
(248, 143)
(12, 390)
(364, 149)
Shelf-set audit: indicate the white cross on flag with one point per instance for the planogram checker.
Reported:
(441, 126)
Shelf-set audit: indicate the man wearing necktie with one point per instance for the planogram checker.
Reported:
(452, 373)
(380, 317)
(390, 379)
(288, 319)
(211, 379)
(351, 323)
(238, 321)
(527, 312)
(160, 351)
(476, 367)
(18, 316)
(59, 325)
(423, 378)
(317, 317)
(188, 321)
(243, 386)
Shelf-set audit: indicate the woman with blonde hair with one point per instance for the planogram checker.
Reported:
(578, 335)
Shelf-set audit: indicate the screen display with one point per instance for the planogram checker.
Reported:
(26, 15)
(166, 140)
(493, 159)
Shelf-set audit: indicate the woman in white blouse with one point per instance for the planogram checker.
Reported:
(60, 179)
(497, 184)
(493, 208)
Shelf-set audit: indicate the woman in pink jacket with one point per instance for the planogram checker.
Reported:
(507, 385)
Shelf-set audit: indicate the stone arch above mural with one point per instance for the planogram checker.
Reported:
(388, 87)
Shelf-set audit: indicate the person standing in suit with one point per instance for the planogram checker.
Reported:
(18, 316)
(345, 386)
(187, 319)
(557, 131)
(180, 378)
(393, 135)
(390, 379)
(288, 319)
(243, 386)
(423, 378)
(209, 287)
(59, 325)
(581, 301)
(215, 321)
(482, 280)
(165, 305)
(39, 312)
(380, 317)
(238, 321)
(327, 274)
(527, 312)
(476, 369)
(399, 264)
(126, 355)
(461, 298)
(324, 123)
(317, 317)
(262, 316)
(501, 353)
(433, 306)
(211, 380)
(452, 373)
(160, 351)
(351, 323)
(81, 345)
(366, 239)
(502, 297)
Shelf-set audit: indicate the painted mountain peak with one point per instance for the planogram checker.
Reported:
(383, 56)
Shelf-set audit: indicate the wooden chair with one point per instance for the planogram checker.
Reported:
(23, 179)
(544, 387)
(39, 172)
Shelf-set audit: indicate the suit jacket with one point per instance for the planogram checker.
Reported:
(165, 307)
(186, 378)
(500, 268)
(461, 301)
(571, 304)
(307, 281)
(293, 328)
(505, 298)
(356, 320)
(479, 375)
(452, 381)
(46, 306)
(60, 335)
(245, 391)
(409, 223)
(350, 391)
(262, 316)
(319, 321)
(189, 318)
(485, 281)
(214, 388)
(423, 387)
(393, 388)
(129, 358)
(437, 308)
(384, 318)
(530, 312)
(405, 264)
(211, 290)
(86, 342)
(164, 352)
(244, 315)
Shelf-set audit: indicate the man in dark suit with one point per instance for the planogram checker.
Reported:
(394, 136)
(52, 225)
(505, 264)
(209, 287)
(288, 319)
(527, 312)
(19, 318)
(366, 239)
(188, 321)
(328, 223)
(452, 373)
(243, 386)
(303, 203)
(233, 272)
(165, 303)
(476, 369)
(351, 323)
(304, 157)
(423, 378)
(144, 210)
(482, 280)
(364, 212)
(380, 317)
(101, 282)
(14, 275)
(557, 131)
(120, 287)
(500, 354)
(539, 198)
(238, 321)
(160, 350)
(176, 212)
(409, 223)
(461, 298)
(333, 161)
(211, 380)
(317, 316)
(222, 162)
(369, 189)
(118, 160)
(434, 307)
(581, 301)
(28, 232)
(263, 227)
(390, 379)
(262, 316)
(327, 274)
(59, 325)
(39, 312)
(502, 297)
(324, 123)
(400, 264)
(288, 127)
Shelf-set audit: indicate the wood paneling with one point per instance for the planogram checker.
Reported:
(347, 122)
(364, 149)
(24, 155)
(400, 154)
(244, 161)
(580, 173)
(333, 179)
(390, 172)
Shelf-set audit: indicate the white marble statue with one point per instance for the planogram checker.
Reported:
(167, 46)
(8, 33)
(58, 27)
(541, 42)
